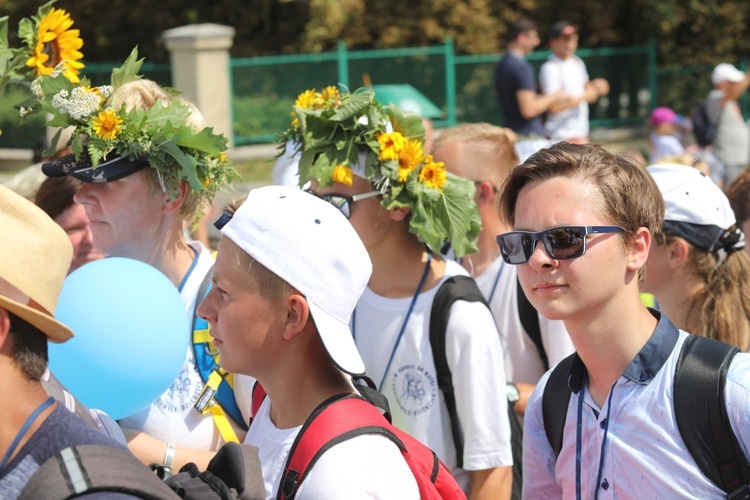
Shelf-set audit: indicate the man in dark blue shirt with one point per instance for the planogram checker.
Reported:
(515, 85)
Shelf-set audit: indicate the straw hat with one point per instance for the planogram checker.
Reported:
(34, 260)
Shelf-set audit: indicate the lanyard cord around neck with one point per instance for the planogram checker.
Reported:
(497, 280)
(189, 271)
(406, 318)
(579, 432)
(24, 429)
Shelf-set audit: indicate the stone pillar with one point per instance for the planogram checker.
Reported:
(199, 54)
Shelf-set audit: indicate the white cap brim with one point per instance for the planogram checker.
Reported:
(338, 341)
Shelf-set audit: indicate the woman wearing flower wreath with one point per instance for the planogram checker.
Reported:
(147, 163)
(369, 162)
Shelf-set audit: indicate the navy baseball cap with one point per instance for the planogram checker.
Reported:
(108, 170)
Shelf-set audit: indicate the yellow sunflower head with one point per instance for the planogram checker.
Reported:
(343, 175)
(107, 124)
(391, 145)
(306, 99)
(432, 174)
(411, 156)
(56, 43)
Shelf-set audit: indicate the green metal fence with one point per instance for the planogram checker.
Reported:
(264, 88)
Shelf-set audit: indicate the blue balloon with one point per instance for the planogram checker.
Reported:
(131, 335)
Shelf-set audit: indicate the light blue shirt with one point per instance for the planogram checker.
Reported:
(644, 454)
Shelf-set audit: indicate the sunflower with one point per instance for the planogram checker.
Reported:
(306, 99)
(343, 174)
(391, 145)
(411, 156)
(56, 43)
(432, 174)
(107, 124)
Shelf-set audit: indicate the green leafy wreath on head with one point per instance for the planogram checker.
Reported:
(331, 129)
(101, 130)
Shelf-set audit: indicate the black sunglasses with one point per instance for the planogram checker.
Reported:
(561, 243)
(343, 203)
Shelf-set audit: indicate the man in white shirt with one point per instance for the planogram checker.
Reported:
(565, 72)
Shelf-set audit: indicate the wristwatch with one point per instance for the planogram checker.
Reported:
(513, 393)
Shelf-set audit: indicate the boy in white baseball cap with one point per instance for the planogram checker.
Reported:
(289, 271)
(696, 269)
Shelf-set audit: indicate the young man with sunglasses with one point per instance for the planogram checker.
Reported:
(403, 205)
(584, 220)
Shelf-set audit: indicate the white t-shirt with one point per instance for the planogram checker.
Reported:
(522, 361)
(475, 359)
(664, 145)
(172, 417)
(368, 466)
(568, 76)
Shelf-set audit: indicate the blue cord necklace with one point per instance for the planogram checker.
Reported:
(579, 432)
(406, 318)
(24, 429)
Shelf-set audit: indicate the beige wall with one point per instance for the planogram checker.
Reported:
(199, 54)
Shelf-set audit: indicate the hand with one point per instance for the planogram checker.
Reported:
(601, 85)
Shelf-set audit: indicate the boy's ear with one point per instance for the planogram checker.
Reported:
(679, 251)
(485, 193)
(639, 253)
(296, 315)
(172, 205)
(4, 327)
(400, 213)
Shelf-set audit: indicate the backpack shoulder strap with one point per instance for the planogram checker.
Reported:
(699, 382)
(219, 384)
(336, 420)
(92, 468)
(530, 322)
(53, 387)
(453, 289)
(555, 400)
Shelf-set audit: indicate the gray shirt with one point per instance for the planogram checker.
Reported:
(732, 143)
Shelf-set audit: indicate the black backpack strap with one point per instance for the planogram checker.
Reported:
(530, 322)
(94, 468)
(700, 411)
(452, 289)
(555, 400)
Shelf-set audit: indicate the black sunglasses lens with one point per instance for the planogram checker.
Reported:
(564, 242)
(513, 248)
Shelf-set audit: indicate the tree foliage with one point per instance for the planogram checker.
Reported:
(687, 32)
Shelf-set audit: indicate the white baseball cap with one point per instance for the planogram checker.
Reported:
(696, 209)
(726, 72)
(309, 244)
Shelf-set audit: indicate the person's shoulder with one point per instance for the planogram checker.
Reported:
(370, 466)
(69, 427)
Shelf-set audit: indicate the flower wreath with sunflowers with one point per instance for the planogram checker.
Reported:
(103, 131)
(330, 129)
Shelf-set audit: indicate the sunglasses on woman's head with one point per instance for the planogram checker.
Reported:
(561, 243)
(343, 203)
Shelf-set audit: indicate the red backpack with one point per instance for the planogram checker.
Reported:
(346, 416)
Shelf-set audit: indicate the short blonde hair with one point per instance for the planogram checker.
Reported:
(144, 94)
(491, 143)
